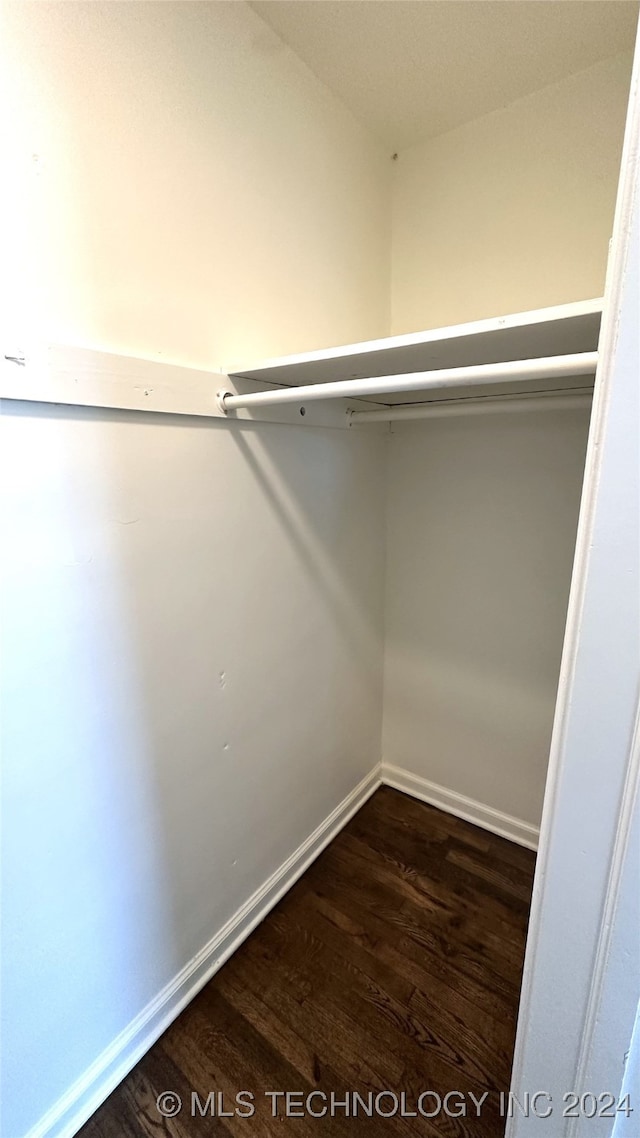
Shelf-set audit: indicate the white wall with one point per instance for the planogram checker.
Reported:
(514, 210)
(509, 212)
(192, 683)
(185, 187)
(192, 611)
(481, 522)
(625, 1122)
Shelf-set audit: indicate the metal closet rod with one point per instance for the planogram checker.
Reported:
(545, 401)
(580, 363)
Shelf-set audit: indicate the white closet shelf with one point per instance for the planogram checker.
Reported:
(551, 350)
(565, 329)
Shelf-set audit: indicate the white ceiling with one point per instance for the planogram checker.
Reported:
(411, 69)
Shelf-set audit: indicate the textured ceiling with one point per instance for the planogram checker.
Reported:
(411, 69)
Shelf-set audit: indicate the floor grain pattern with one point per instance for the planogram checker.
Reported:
(394, 964)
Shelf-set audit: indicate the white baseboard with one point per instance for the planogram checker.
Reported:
(73, 1109)
(504, 824)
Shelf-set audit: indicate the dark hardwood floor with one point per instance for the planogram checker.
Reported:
(393, 965)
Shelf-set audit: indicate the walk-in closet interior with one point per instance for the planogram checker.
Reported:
(228, 620)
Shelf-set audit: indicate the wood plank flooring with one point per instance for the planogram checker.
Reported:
(393, 965)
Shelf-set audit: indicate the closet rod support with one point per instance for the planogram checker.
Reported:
(580, 363)
(549, 401)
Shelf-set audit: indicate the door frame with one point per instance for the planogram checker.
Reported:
(581, 977)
